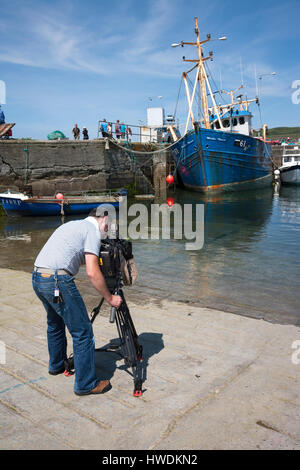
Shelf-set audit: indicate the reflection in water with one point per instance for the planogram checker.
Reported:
(21, 238)
(249, 263)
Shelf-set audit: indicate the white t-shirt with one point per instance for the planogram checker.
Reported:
(67, 246)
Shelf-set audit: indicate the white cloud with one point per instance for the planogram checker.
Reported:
(41, 38)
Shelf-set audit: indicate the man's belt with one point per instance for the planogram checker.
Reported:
(60, 272)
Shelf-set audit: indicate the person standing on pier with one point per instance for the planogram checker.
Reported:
(129, 134)
(123, 130)
(118, 129)
(85, 134)
(109, 130)
(104, 128)
(76, 132)
(2, 117)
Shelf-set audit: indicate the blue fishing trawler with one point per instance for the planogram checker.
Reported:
(219, 153)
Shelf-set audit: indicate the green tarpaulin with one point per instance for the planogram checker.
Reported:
(56, 135)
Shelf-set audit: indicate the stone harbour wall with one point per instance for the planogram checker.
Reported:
(44, 167)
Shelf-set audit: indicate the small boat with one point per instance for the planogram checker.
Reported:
(67, 205)
(219, 152)
(13, 194)
(290, 169)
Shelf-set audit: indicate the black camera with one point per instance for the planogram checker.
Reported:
(113, 253)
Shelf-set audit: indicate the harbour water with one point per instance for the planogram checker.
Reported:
(249, 264)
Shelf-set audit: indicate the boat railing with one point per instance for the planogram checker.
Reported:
(291, 152)
(88, 194)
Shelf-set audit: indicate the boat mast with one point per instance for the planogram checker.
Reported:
(202, 79)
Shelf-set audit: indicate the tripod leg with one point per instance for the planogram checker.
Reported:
(69, 366)
(138, 383)
(130, 347)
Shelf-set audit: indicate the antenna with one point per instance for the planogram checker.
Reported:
(241, 68)
(255, 75)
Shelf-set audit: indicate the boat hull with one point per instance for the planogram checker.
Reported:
(290, 175)
(15, 206)
(215, 161)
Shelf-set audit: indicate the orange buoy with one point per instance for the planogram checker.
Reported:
(170, 201)
(170, 179)
(59, 196)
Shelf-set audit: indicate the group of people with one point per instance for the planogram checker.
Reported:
(76, 133)
(121, 130)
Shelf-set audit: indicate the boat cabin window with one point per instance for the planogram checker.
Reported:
(242, 120)
(234, 122)
(226, 123)
(217, 125)
(287, 159)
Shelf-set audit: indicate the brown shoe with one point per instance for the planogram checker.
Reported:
(102, 387)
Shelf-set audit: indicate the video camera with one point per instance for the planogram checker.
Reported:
(116, 260)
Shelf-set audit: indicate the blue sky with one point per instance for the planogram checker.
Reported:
(70, 61)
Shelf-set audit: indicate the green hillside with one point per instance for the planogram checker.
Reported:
(284, 132)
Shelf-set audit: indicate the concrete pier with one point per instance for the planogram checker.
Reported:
(214, 380)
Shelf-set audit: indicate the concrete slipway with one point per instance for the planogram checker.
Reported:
(214, 380)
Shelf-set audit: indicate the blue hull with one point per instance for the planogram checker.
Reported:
(17, 206)
(212, 161)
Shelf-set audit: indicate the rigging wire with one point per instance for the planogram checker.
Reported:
(198, 100)
(178, 96)
(213, 81)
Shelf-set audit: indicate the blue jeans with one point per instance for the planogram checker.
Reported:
(70, 313)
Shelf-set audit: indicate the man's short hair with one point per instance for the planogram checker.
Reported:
(100, 211)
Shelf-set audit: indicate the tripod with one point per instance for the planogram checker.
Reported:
(128, 347)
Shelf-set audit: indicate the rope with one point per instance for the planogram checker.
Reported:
(138, 152)
(213, 80)
(179, 159)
